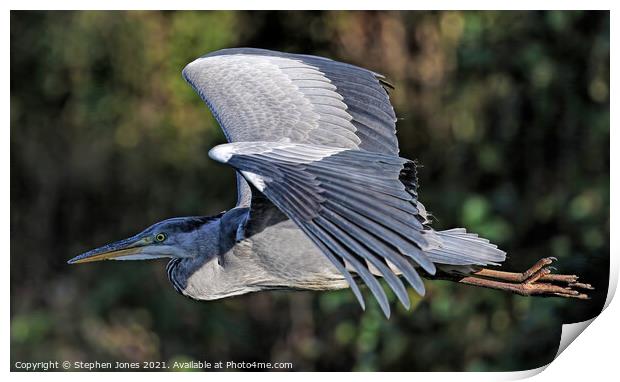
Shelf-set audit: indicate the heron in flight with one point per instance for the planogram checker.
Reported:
(324, 201)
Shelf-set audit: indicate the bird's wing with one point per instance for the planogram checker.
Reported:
(353, 204)
(262, 95)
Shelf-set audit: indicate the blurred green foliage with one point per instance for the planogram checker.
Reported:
(508, 112)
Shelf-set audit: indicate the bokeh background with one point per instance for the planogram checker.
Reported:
(508, 112)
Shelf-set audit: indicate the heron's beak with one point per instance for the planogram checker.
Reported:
(127, 249)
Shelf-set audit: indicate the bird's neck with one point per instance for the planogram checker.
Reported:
(221, 268)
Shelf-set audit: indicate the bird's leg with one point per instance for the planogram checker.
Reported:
(537, 280)
(514, 277)
(537, 272)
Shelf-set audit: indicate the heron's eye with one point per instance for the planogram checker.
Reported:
(160, 237)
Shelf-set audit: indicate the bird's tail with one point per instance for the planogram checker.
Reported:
(458, 247)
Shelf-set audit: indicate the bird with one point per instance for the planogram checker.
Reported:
(324, 200)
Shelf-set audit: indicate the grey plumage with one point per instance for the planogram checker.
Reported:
(307, 99)
(323, 196)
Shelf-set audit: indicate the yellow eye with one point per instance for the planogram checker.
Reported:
(160, 237)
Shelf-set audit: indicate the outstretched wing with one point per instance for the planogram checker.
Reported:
(317, 137)
(351, 203)
(261, 95)
(258, 94)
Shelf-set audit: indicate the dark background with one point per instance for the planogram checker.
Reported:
(507, 111)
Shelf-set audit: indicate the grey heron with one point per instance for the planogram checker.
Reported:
(324, 200)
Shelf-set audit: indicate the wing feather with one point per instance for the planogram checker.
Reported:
(349, 202)
(262, 95)
(377, 245)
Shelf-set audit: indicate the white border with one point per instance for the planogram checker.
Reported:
(591, 355)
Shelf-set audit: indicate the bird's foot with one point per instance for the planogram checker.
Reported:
(538, 280)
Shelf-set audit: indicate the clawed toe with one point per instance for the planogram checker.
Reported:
(581, 296)
(581, 286)
(545, 274)
(537, 280)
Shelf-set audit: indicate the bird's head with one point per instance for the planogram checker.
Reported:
(177, 237)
